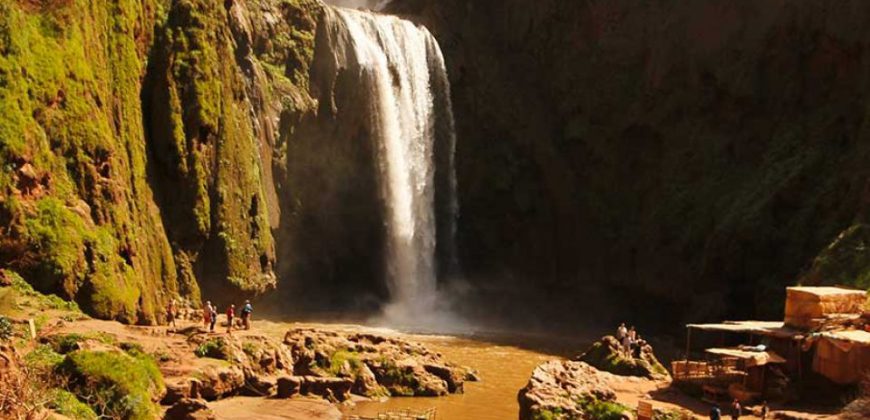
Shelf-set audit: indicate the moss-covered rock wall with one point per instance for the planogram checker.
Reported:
(137, 145)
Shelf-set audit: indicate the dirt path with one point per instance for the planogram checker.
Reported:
(243, 408)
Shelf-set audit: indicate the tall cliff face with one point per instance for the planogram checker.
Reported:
(694, 156)
(139, 145)
(77, 214)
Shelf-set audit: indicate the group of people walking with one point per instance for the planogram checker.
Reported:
(210, 315)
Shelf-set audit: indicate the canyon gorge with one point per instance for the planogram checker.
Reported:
(606, 158)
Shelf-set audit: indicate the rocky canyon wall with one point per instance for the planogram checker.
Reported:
(613, 158)
(683, 159)
(140, 146)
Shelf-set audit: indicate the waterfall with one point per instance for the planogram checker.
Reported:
(399, 69)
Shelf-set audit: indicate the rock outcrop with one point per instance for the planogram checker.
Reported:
(374, 365)
(607, 355)
(564, 390)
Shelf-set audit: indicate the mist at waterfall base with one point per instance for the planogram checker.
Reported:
(385, 114)
(356, 4)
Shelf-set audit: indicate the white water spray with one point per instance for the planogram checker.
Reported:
(401, 70)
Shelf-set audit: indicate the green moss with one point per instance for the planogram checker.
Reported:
(338, 359)
(43, 358)
(214, 348)
(69, 82)
(126, 384)
(67, 343)
(602, 410)
(65, 403)
(548, 414)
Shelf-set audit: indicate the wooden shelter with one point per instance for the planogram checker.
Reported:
(842, 356)
(824, 330)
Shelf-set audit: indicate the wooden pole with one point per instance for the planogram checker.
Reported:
(688, 343)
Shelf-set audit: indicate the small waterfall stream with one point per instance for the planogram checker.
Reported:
(400, 68)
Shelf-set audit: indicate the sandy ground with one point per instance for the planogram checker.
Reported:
(240, 408)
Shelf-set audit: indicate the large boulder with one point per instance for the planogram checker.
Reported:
(220, 381)
(565, 389)
(606, 355)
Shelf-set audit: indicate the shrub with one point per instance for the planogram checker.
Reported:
(602, 410)
(215, 349)
(115, 384)
(6, 329)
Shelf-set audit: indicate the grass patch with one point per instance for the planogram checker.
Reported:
(116, 384)
(67, 343)
(65, 403)
(43, 359)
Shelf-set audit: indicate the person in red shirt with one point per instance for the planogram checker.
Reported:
(231, 313)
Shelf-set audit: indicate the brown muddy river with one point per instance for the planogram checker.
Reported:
(504, 367)
(504, 362)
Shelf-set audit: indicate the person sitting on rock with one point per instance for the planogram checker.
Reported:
(206, 314)
(231, 314)
(247, 310)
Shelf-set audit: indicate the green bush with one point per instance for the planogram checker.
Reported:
(547, 414)
(118, 385)
(215, 349)
(602, 410)
(6, 329)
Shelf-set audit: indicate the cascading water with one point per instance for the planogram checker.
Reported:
(400, 70)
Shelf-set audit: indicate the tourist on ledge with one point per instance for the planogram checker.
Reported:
(212, 316)
(170, 315)
(206, 314)
(231, 314)
(247, 310)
